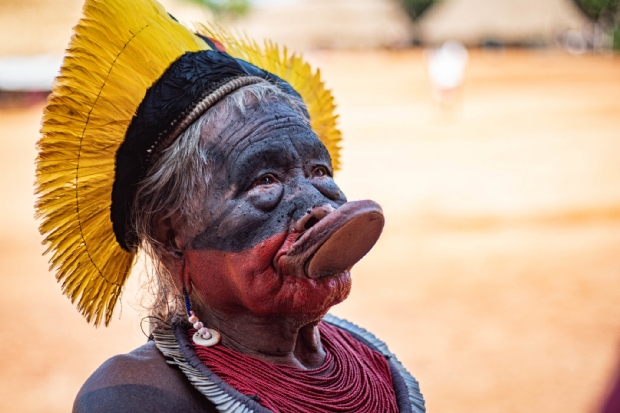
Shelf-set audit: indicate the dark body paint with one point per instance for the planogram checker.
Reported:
(140, 381)
(131, 398)
(270, 170)
(269, 141)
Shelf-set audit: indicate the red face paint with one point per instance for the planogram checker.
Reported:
(250, 281)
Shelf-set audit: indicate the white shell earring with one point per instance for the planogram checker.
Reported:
(203, 336)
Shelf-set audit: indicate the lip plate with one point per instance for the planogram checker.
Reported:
(335, 243)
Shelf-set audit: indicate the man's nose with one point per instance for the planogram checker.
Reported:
(311, 217)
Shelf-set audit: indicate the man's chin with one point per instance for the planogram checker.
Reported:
(306, 299)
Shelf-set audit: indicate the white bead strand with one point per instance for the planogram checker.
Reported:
(203, 336)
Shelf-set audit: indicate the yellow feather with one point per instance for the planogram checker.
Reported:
(119, 49)
(298, 73)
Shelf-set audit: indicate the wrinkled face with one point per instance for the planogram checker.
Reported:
(269, 171)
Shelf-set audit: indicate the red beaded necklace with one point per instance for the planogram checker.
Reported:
(353, 377)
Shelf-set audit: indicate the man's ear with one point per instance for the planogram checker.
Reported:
(172, 234)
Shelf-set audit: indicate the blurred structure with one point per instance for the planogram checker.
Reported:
(416, 8)
(509, 22)
(34, 36)
(26, 80)
(330, 24)
(33, 27)
(225, 8)
(603, 33)
(39, 30)
(36, 27)
(28, 73)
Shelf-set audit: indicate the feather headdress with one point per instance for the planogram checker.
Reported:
(105, 118)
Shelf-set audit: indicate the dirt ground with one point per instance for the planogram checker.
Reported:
(497, 279)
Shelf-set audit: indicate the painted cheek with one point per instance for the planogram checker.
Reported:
(247, 281)
(266, 198)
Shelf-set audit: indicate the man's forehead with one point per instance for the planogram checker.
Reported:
(287, 144)
(259, 126)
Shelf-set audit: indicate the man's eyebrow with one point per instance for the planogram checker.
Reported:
(275, 156)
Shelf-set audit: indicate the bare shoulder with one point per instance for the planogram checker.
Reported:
(140, 381)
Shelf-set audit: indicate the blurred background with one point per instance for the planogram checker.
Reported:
(489, 130)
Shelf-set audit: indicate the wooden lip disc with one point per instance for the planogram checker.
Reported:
(215, 338)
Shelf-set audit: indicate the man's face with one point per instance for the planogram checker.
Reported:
(269, 170)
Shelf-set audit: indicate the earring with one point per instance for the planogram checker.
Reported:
(203, 336)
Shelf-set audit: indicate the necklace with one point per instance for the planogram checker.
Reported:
(173, 342)
(353, 378)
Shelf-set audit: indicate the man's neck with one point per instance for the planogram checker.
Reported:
(276, 340)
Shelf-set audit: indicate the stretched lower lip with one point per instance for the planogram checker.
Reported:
(334, 244)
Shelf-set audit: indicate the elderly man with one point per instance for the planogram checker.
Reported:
(194, 151)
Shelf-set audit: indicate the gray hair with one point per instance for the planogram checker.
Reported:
(176, 185)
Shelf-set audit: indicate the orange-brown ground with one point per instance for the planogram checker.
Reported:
(497, 280)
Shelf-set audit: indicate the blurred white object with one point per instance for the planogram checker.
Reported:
(446, 65)
(446, 70)
(28, 73)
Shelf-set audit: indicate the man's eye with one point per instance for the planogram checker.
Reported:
(320, 171)
(268, 179)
